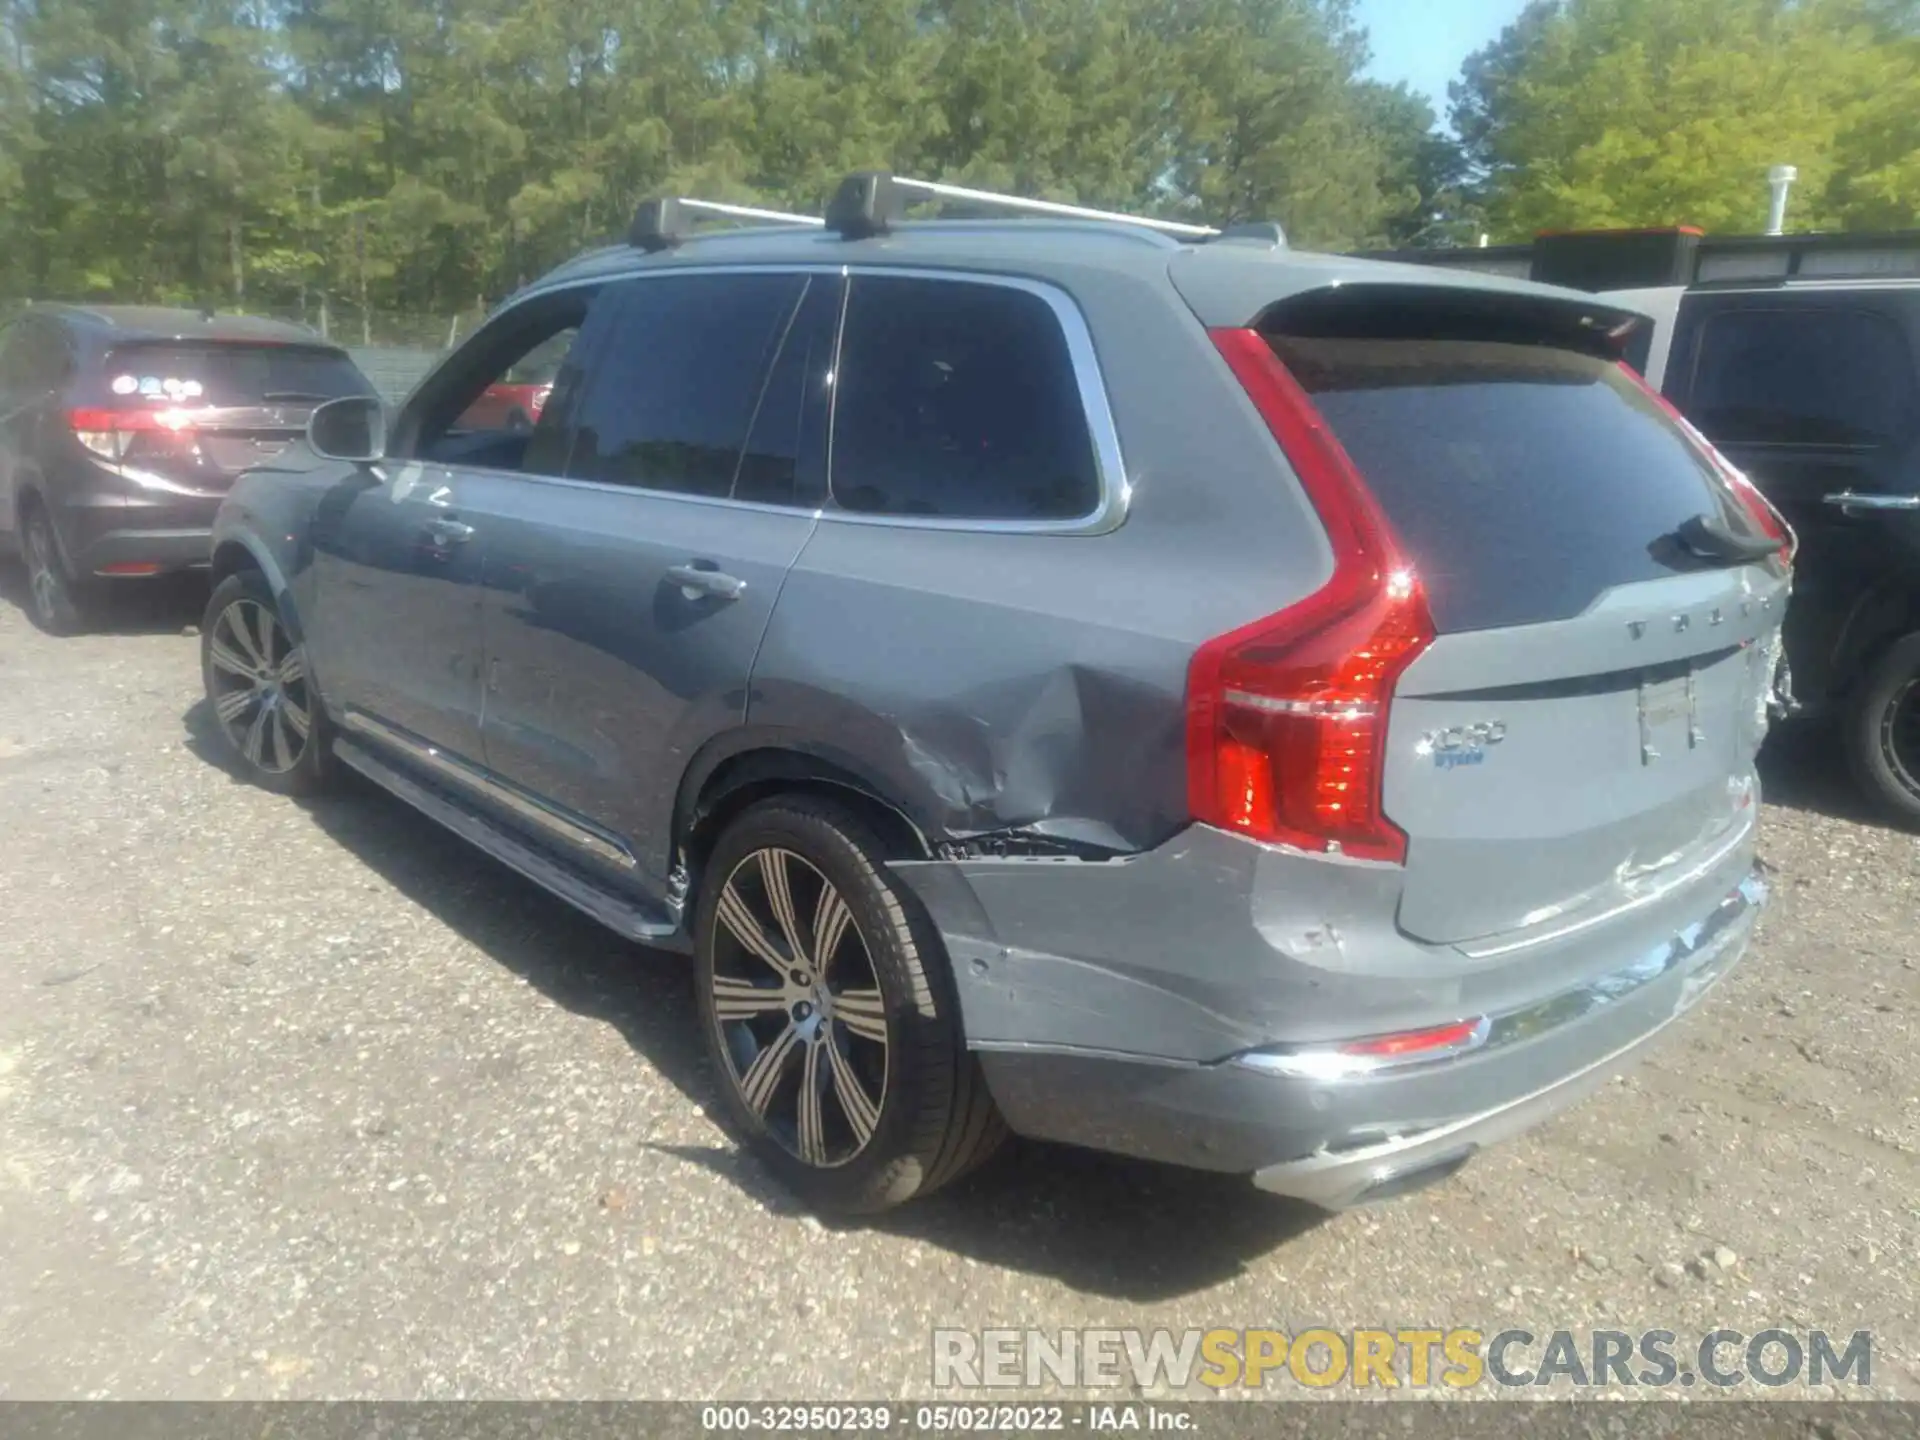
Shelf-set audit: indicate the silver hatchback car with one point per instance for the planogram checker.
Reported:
(1162, 692)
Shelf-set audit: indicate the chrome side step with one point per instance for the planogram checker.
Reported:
(617, 912)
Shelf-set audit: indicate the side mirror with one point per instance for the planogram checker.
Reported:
(353, 428)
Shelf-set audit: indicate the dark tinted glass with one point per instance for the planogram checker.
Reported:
(1524, 480)
(1803, 377)
(227, 374)
(32, 358)
(958, 399)
(673, 389)
(782, 461)
(13, 358)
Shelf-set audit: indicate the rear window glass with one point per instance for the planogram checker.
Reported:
(1803, 377)
(229, 374)
(1524, 480)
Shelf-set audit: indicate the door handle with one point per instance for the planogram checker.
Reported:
(447, 531)
(695, 582)
(1849, 501)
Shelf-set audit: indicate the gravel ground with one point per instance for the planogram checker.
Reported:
(313, 1101)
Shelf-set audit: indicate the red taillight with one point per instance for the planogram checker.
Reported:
(1287, 717)
(1757, 506)
(110, 433)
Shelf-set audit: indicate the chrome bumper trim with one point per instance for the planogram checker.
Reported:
(1692, 951)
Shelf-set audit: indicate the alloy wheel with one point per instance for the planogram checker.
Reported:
(260, 693)
(1900, 735)
(798, 1004)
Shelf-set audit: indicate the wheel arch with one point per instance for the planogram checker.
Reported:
(733, 773)
(1878, 620)
(233, 553)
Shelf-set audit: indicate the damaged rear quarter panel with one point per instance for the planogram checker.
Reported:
(999, 681)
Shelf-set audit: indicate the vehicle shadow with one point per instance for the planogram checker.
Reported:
(1802, 768)
(1118, 1228)
(162, 606)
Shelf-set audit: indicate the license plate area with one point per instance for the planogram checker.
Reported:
(1669, 706)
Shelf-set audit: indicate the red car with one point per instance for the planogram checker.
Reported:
(506, 405)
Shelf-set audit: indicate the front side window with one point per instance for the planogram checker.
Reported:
(504, 401)
(1803, 376)
(958, 400)
(677, 382)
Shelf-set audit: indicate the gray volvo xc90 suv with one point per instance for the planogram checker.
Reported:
(1254, 710)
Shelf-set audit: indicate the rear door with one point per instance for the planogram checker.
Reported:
(1813, 392)
(626, 601)
(1582, 732)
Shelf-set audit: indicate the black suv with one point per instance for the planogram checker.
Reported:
(122, 427)
(1796, 355)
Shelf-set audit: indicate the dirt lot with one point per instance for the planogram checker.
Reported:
(314, 1101)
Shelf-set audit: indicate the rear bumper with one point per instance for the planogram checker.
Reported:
(165, 550)
(1398, 1163)
(102, 526)
(1290, 1108)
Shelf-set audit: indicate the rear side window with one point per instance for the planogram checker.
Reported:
(227, 374)
(33, 358)
(1803, 377)
(673, 390)
(1523, 480)
(958, 400)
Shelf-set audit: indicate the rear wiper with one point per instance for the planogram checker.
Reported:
(1709, 539)
(294, 395)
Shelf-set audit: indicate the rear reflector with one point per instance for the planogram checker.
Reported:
(1772, 524)
(130, 567)
(1416, 1042)
(1374, 1055)
(1287, 717)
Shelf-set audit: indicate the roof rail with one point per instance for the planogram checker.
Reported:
(871, 202)
(662, 223)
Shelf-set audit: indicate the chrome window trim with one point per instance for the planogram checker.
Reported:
(470, 777)
(1116, 491)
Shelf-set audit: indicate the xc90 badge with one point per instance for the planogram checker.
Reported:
(1462, 744)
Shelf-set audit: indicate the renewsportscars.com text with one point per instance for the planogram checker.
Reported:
(1457, 1359)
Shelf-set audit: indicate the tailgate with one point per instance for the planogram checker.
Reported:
(1582, 731)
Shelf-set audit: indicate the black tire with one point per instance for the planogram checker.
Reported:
(1883, 731)
(56, 602)
(935, 1119)
(269, 715)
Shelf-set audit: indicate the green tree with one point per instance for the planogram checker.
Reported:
(1643, 112)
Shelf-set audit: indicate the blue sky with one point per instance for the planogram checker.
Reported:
(1423, 41)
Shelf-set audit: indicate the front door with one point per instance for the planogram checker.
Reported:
(398, 635)
(395, 626)
(1812, 393)
(627, 600)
